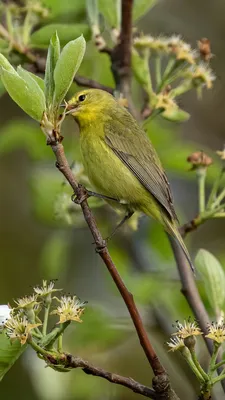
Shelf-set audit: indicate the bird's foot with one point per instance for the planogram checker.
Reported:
(100, 247)
(81, 195)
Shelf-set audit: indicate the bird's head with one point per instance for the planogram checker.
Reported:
(87, 105)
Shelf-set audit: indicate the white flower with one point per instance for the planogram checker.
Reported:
(46, 289)
(4, 314)
(176, 344)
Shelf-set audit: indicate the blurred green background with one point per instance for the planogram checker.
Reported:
(36, 244)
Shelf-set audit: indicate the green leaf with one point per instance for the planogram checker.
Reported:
(2, 88)
(4, 63)
(27, 94)
(52, 58)
(9, 353)
(141, 7)
(67, 66)
(66, 32)
(213, 277)
(26, 75)
(66, 9)
(92, 12)
(111, 11)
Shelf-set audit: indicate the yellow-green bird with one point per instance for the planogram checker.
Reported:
(120, 160)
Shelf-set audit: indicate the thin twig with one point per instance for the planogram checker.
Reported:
(89, 369)
(91, 83)
(64, 168)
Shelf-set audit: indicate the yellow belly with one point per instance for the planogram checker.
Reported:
(110, 177)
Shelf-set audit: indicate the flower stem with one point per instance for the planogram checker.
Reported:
(46, 314)
(219, 198)
(218, 365)
(60, 342)
(215, 188)
(219, 378)
(179, 90)
(201, 175)
(187, 355)
(158, 74)
(213, 359)
(36, 347)
(59, 333)
(197, 364)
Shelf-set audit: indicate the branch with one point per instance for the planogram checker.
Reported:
(90, 83)
(121, 56)
(89, 369)
(188, 227)
(63, 166)
(190, 291)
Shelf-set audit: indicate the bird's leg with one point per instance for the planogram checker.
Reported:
(101, 196)
(125, 218)
(88, 193)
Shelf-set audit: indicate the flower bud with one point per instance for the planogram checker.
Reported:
(199, 159)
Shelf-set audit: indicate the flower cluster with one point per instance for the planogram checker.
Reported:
(186, 69)
(23, 322)
(184, 341)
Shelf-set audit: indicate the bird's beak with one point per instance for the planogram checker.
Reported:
(70, 108)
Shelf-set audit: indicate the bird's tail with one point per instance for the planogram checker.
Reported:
(172, 229)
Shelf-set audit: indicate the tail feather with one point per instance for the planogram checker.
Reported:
(172, 229)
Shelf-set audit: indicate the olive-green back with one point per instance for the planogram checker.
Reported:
(130, 144)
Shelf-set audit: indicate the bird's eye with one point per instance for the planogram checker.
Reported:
(82, 97)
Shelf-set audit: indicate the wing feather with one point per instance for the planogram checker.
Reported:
(135, 150)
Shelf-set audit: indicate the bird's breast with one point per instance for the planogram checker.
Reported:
(109, 175)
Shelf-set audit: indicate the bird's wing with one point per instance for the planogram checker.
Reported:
(136, 151)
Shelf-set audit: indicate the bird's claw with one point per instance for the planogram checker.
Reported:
(100, 246)
(81, 195)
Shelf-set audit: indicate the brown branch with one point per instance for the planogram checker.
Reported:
(76, 362)
(91, 83)
(121, 53)
(120, 56)
(190, 226)
(63, 166)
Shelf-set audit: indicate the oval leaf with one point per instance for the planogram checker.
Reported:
(9, 353)
(67, 66)
(213, 277)
(27, 94)
(4, 63)
(52, 58)
(26, 75)
(66, 32)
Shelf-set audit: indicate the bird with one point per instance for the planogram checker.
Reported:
(121, 162)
